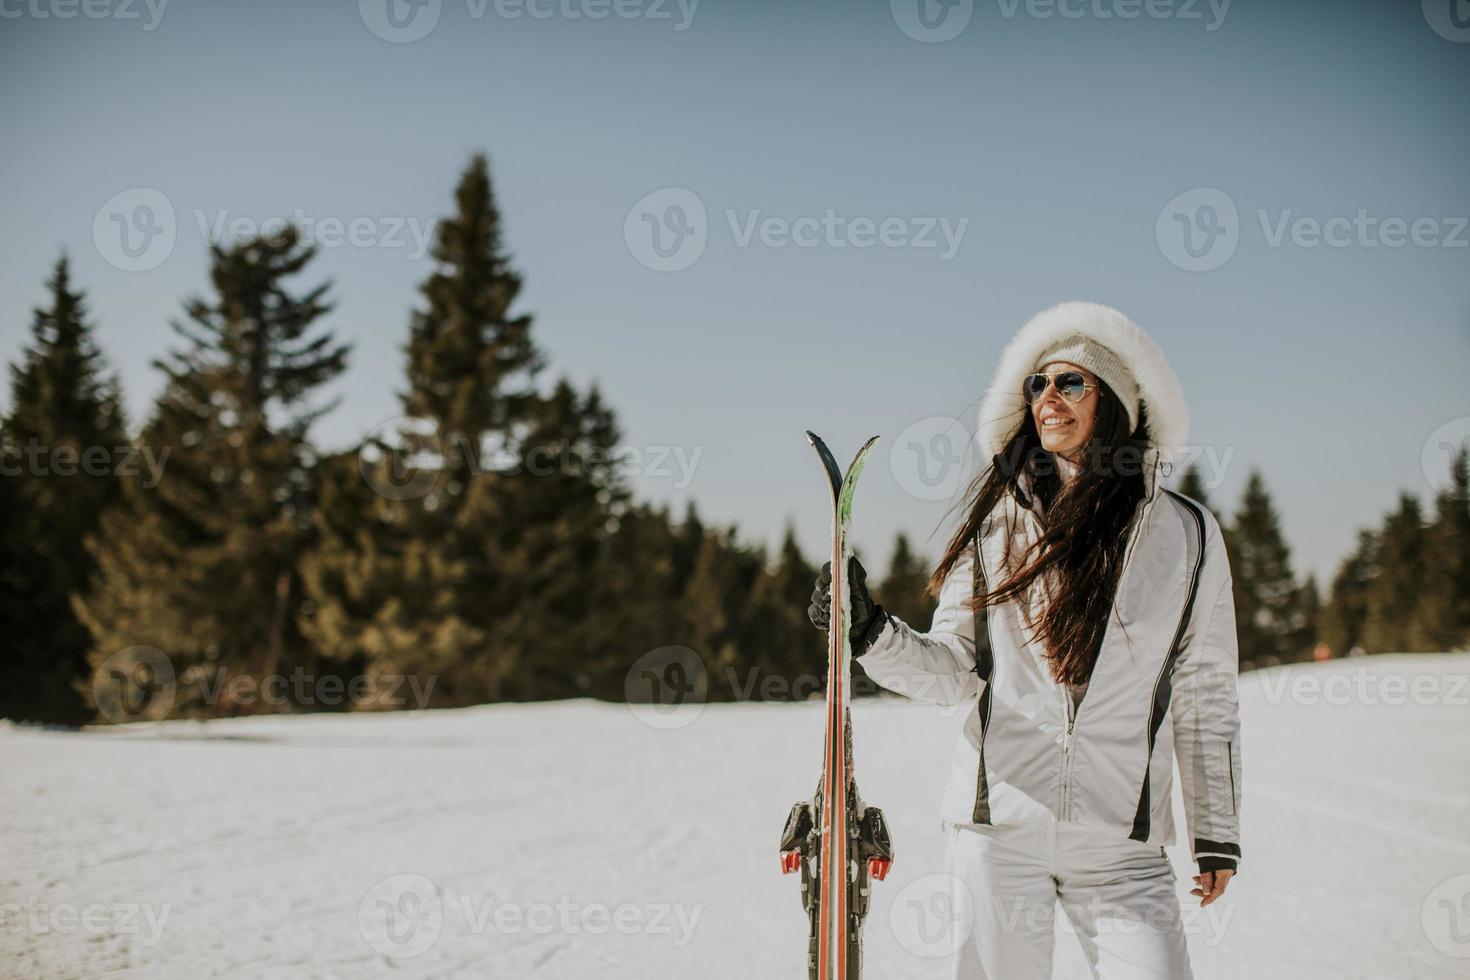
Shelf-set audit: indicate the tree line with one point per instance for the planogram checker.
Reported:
(484, 546)
(1405, 588)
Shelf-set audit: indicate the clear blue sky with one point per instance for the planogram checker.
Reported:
(1061, 140)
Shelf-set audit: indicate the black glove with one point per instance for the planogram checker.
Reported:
(867, 617)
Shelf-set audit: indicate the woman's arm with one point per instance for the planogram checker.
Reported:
(937, 667)
(1206, 714)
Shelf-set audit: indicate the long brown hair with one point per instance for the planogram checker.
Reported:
(1085, 524)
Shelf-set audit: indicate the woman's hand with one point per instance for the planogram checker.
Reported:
(1210, 885)
(866, 614)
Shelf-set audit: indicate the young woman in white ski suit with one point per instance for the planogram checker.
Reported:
(1060, 787)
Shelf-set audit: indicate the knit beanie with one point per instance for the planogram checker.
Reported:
(1082, 350)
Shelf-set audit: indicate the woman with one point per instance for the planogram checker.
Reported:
(1110, 648)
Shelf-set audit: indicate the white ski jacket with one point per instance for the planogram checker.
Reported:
(1164, 685)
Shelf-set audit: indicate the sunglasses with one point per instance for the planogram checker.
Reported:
(1070, 385)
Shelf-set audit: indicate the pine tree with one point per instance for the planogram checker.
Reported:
(717, 602)
(633, 608)
(779, 651)
(1266, 595)
(470, 361)
(377, 604)
(1308, 617)
(548, 524)
(1192, 485)
(65, 439)
(204, 566)
(1394, 592)
(1343, 618)
(1441, 615)
(415, 572)
(902, 592)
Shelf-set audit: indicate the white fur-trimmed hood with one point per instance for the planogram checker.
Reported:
(1003, 407)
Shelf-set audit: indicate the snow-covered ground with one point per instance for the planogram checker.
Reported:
(577, 840)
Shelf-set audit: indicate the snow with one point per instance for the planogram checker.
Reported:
(575, 840)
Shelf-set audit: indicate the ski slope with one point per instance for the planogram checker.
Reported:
(576, 840)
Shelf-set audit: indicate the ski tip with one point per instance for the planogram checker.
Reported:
(812, 437)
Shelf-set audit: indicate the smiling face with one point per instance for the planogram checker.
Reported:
(1064, 426)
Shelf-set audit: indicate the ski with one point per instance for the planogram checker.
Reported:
(837, 843)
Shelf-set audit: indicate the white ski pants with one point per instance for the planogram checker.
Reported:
(1118, 895)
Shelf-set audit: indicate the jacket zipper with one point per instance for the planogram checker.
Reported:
(1066, 801)
(1069, 711)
